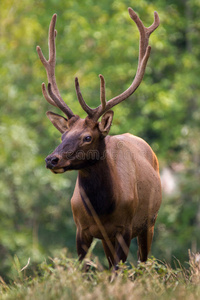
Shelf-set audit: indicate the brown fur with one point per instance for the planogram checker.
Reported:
(137, 193)
(118, 192)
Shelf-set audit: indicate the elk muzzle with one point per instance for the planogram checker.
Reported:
(51, 161)
(57, 164)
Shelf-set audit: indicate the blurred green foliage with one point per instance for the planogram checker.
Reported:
(93, 38)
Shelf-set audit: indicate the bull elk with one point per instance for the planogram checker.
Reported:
(118, 192)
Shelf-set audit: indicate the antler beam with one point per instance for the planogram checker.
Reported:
(144, 53)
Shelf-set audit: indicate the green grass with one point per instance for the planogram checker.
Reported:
(63, 278)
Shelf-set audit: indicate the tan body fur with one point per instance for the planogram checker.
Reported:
(136, 186)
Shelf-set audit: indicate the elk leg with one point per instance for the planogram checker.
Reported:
(109, 249)
(83, 243)
(122, 247)
(144, 243)
(119, 251)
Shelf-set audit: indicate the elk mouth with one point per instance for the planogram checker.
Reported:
(57, 171)
(60, 170)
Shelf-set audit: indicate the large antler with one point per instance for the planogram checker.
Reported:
(53, 95)
(144, 53)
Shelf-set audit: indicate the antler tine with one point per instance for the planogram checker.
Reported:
(46, 95)
(84, 106)
(92, 113)
(155, 23)
(60, 104)
(50, 70)
(102, 92)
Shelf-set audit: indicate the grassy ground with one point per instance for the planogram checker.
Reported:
(63, 278)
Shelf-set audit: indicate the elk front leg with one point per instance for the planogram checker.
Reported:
(83, 243)
(144, 243)
(117, 250)
(109, 249)
(122, 247)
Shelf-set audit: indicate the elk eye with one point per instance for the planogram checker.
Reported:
(87, 139)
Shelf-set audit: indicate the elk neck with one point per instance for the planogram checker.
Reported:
(96, 185)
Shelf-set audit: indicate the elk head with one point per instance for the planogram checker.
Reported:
(83, 139)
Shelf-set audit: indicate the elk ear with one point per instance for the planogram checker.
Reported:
(106, 122)
(58, 121)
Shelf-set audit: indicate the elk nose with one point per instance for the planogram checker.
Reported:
(51, 161)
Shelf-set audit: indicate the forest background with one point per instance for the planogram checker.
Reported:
(93, 38)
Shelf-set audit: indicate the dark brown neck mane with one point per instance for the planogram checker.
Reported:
(96, 185)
